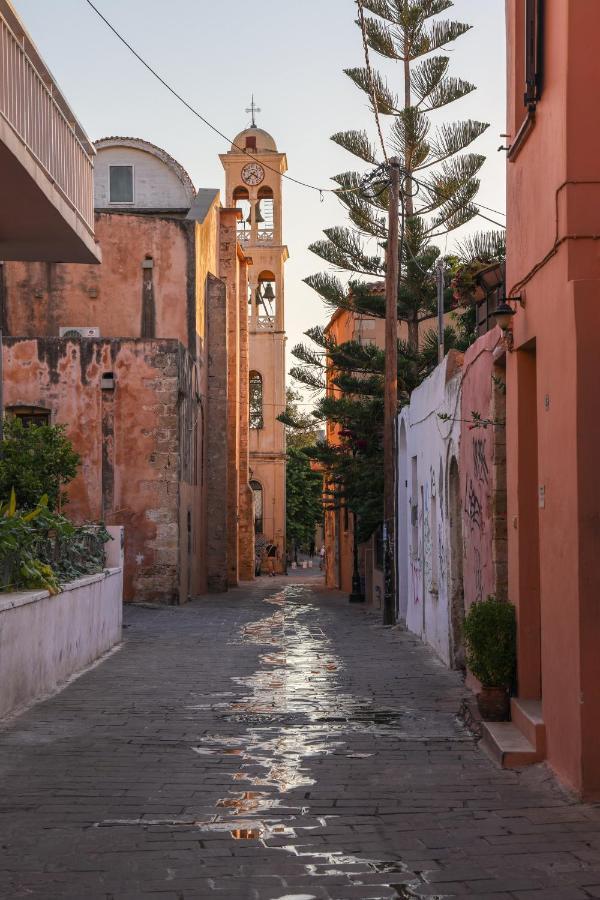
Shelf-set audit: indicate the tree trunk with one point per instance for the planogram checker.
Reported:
(413, 334)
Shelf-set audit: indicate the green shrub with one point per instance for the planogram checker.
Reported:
(490, 635)
(36, 460)
(40, 549)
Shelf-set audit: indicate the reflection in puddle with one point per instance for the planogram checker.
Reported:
(294, 711)
(246, 834)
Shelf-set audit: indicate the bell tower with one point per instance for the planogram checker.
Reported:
(253, 172)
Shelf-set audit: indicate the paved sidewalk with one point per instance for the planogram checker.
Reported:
(285, 748)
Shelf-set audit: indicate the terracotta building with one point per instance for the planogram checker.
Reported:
(144, 358)
(553, 382)
(254, 186)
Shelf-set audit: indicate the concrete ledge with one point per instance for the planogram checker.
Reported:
(508, 746)
(527, 717)
(45, 639)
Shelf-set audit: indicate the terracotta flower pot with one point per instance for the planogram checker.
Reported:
(494, 704)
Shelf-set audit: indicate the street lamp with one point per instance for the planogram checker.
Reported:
(504, 314)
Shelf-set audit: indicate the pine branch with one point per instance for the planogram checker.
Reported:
(327, 286)
(387, 102)
(450, 139)
(357, 143)
(380, 38)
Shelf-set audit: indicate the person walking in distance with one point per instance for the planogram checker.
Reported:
(322, 558)
(271, 558)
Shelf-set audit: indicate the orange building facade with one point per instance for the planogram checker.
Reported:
(144, 359)
(338, 532)
(553, 378)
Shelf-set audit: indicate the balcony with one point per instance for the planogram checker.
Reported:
(46, 159)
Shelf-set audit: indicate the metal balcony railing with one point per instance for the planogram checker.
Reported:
(41, 119)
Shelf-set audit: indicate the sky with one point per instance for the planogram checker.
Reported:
(291, 55)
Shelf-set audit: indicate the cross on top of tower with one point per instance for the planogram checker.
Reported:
(253, 108)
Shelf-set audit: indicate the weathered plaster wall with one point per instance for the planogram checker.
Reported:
(483, 471)
(427, 532)
(43, 297)
(133, 458)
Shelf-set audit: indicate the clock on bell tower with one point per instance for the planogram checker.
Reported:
(253, 173)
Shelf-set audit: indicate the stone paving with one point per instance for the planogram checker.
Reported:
(275, 743)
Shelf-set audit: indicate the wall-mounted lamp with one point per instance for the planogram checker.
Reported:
(504, 311)
(503, 314)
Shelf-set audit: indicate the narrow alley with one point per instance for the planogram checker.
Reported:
(277, 743)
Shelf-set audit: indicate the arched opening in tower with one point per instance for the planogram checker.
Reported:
(266, 296)
(241, 200)
(264, 213)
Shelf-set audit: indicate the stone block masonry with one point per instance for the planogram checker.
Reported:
(126, 404)
(216, 435)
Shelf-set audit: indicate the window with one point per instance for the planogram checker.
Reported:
(528, 69)
(534, 47)
(257, 494)
(250, 142)
(30, 415)
(121, 184)
(256, 401)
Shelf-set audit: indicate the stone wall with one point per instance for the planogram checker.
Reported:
(245, 503)
(217, 471)
(129, 431)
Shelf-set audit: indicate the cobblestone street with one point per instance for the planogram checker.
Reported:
(276, 742)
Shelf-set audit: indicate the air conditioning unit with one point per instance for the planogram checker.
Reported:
(72, 331)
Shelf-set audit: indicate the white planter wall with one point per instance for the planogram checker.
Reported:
(45, 639)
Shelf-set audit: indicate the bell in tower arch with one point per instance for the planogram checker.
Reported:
(257, 214)
(269, 293)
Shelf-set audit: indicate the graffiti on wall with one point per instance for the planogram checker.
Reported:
(473, 506)
(480, 464)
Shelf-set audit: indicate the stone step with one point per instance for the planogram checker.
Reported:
(527, 716)
(508, 746)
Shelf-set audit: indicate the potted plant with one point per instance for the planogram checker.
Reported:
(490, 637)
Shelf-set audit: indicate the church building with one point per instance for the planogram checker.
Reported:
(166, 364)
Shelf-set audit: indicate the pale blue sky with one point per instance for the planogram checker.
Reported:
(291, 54)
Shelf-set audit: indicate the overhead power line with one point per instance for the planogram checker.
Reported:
(244, 150)
(192, 109)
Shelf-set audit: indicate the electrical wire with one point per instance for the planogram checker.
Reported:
(312, 187)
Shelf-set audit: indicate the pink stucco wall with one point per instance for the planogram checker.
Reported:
(483, 471)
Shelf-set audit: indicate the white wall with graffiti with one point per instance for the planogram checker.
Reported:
(430, 546)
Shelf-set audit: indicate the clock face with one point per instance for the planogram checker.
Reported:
(253, 173)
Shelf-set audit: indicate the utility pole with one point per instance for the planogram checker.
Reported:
(391, 397)
(440, 308)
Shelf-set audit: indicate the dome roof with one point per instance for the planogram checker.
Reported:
(146, 147)
(264, 141)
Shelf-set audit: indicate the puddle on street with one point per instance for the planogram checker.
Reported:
(294, 710)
